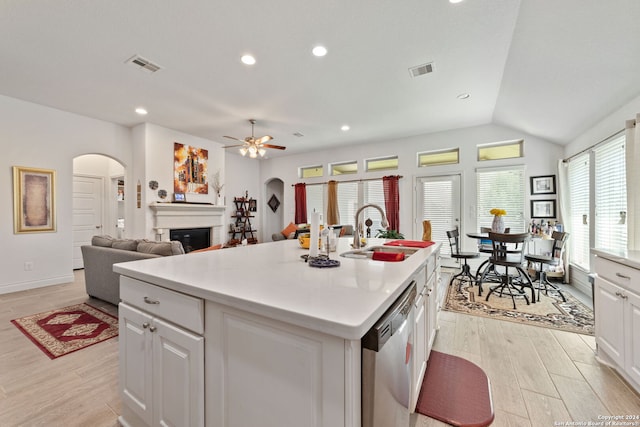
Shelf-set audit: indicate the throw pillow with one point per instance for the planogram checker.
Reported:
(125, 244)
(160, 248)
(291, 228)
(105, 241)
(210, 248)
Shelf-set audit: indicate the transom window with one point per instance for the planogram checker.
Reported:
(501, 150)
(344, 168)
(310, 171)
(381, 163)
(439, 157)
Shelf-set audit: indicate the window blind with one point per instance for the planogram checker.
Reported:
(373, 193)
(347, 202)
(610, 195)
(315, 199)
(501, 188)
(578, 176)
(437, 207)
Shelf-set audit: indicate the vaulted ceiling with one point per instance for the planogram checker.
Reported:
(550, 68)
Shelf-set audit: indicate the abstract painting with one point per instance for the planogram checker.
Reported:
(190, 169)
(33, 200)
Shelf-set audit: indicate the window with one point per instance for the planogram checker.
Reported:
(578, 176)
(315, 198)
(501, 188)
(310, 171)
(440, 157)
(501, 150)
(380, 164)
(347, 202)
(344, 168)
(373, 193)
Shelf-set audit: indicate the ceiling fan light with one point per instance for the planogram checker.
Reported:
(253, 150)
(243, 151)
(253, 154)
(262, 152)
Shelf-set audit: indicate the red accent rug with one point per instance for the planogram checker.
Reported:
(456, 392)
(65, 330)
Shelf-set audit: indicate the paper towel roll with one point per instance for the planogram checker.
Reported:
(315, 234)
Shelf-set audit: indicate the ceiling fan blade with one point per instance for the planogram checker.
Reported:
(263, 139)
(233, 137)
(236, 145)
(277, 147)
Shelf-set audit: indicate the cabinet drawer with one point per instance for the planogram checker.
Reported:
(180, 309)
(622, 275)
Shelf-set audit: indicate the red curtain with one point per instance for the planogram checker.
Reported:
(301, 203)
(392, 201)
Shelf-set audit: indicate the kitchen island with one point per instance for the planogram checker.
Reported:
(279, 341)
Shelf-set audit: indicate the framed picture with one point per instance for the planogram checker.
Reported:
(543, 184)
(34, 200)
(253, 205)
(543, 208)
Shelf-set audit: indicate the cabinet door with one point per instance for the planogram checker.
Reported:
(135, 361)
(178, 375)
(609, 314)
(632, 335)
(420, 351)
(431, 305)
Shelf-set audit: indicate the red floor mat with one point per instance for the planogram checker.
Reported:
(456, 392)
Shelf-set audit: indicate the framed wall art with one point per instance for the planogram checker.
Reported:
(543, 184)
(543, 208)
(34, 200)
(190, 169)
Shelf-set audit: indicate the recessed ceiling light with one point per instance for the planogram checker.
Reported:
(345, 128)
(455, 1)
(319, 51)
(141, 111)
(248, 59)
(463, 96)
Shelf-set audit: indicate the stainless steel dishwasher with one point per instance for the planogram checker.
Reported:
(387, 356)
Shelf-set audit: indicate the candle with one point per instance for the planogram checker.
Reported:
(315, 234)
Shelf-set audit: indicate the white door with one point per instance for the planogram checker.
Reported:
(438, 200)
(87, 213)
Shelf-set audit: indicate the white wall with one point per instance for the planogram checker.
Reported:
(242, 174)
(36, 136)
(540, 159)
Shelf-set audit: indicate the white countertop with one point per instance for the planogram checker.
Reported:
(628, 258)
(270, 279)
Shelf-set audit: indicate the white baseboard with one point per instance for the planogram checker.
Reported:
(16, 287)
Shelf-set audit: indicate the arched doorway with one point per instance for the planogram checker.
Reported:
(98, 200)
(274, 218)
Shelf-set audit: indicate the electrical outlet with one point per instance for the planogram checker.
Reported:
(28, 266)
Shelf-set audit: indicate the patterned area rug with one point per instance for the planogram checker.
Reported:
(549, 312)
(65, 330)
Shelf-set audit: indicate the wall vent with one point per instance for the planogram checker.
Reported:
(143, 63)
(421, 70)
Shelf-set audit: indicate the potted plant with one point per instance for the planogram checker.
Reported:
(389, 234)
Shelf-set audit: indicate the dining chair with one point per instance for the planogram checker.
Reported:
(485, 247)
(554, 259)
(465, 274)
(508, 252)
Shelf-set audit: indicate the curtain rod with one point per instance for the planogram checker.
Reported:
(348, 180)
(568, 159)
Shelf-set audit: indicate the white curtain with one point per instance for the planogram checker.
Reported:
(564, 212)
(633, 177)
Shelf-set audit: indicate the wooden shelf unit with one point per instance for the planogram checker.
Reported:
(242, 228)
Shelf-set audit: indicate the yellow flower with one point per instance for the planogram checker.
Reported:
(498, 212)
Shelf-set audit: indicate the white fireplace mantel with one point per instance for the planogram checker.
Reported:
(169, 216)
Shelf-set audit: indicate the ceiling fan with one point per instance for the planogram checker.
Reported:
(252, 145)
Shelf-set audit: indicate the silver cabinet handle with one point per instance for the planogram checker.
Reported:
(150, 301)
(622, 276)
(145, 325)
(153, 328)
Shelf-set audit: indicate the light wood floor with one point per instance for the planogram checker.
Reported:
(538, 376)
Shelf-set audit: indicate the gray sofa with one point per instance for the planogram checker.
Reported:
(100, 280)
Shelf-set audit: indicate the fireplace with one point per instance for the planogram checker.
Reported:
(192, 238)
(170, 217)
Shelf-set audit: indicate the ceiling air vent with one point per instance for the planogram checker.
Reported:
(143, 63)
(421, 70)
(298, 134)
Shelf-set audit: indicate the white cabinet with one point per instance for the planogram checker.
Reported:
(161, 363)
(617, 314)
(262, 372)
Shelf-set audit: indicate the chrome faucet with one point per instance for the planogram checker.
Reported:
(356, 234)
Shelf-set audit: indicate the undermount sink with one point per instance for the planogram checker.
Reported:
(367, 253)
